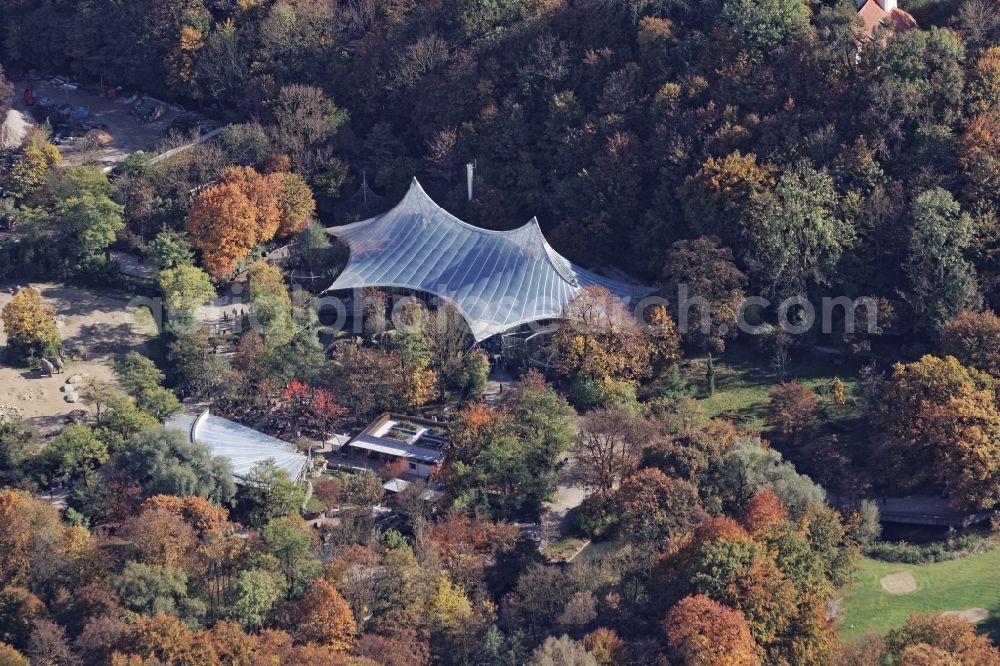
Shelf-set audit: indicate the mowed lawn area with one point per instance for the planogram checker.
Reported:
(971, 582)
(743, 379)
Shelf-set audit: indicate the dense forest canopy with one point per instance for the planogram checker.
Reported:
(652, 487)
(625, 126)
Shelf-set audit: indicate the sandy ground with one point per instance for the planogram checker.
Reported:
(101, 327)
(902, 582)
(973, 615)
(129, 136)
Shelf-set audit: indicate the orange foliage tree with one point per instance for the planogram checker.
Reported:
(979, 155)
(324, 618)
(951, 638)
(656, 508)
(793, 410)
(763, 510)
(305, 411)
(231, 217)
(702, 632)
(606, 646)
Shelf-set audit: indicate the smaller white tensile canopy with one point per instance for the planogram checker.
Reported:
(497, 280)
(243, 447)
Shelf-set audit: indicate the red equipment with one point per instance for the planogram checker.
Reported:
(29, 95)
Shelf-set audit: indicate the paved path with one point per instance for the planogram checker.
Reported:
(569, 495)
(500, 382)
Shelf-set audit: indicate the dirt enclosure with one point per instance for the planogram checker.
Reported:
(127, 134)
(95, 326)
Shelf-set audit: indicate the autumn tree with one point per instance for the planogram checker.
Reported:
(561, 650)
(29, 174)
(979, 155)
(974, 339)
(951, 639)
(231, 217)
(323, 617)
(295, 203)
(703, 632)
(305, 121)
(11, 657)
(763, 511)
(599, 338)
(712, 291)
(608, 447)
(305, 411)
(719, 197)
(794, 410)
(942, 427)
(606, 646)
(656, 509)
(662, 340)
(30, 326)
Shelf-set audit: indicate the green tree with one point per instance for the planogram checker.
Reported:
(271, 305)
(186, 288)
(749, 467)
(710, 374)
(17, 443)
(268, 492)
(170, 249)
(71, 182)
(362, 488)
(88, 224)
(942, 280)
(143, 380)
(473, 374)
(164, 462)
(800, 236)
(76, 450)
(288, 540)
(763, 25)
(252, 597)
(118, 417)
(157, 590)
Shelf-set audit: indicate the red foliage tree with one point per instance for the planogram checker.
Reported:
(763, 510)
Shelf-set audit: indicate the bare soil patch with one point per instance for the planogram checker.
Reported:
(901, 582)
(973, 615)
(99, 327)
(127, 134)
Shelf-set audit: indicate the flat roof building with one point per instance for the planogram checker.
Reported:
(394, 437)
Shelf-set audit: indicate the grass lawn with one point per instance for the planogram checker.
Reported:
(564, 549)
(743, 379)
(971, 582)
